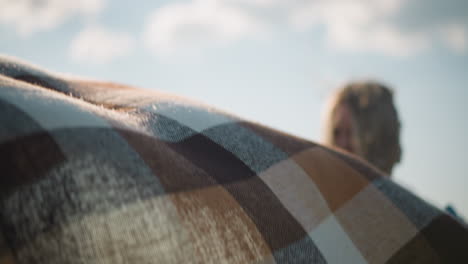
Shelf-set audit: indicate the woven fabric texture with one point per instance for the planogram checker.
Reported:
(95, 172)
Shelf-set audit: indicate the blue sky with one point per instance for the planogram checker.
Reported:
(275, 62)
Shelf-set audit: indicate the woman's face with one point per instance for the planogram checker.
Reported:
(345, 130)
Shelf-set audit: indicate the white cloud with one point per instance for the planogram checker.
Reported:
(197, 24)
(375, 25)
(99, 45)
(391, 27)
(359, 25)
(257, 3)
(349, 25)
(29, 16)
(455, 36)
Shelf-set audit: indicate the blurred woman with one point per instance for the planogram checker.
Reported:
(362, 119)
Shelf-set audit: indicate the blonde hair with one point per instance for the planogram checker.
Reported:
(375, 119)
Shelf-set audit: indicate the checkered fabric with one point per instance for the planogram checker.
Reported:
(95, 172)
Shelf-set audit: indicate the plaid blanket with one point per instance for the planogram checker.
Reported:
(95, 172)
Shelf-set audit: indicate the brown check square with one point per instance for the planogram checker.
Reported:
(219, 227)
(340, 185)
